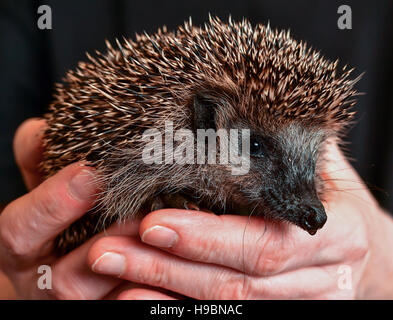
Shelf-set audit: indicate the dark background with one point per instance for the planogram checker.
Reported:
(31, 60)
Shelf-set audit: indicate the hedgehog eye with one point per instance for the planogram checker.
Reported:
(257, 148)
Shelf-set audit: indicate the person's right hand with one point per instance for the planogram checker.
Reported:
(29, 225)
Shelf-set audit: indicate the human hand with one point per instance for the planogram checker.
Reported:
(204, 256)
(29, 225)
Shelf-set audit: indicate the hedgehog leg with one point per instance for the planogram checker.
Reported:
(176, 200)
(157, 203)
(191, 206)
(180, 201)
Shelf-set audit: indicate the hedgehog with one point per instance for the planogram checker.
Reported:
(222, 75)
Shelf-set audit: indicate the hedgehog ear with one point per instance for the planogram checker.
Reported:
(204, 113)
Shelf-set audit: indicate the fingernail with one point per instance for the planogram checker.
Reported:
(110, 263)
(82, 185)
(160, 236)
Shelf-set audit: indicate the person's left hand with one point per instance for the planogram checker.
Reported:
(30, 223)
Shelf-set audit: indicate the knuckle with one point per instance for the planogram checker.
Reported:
(45, 205)
(362, 246)
(237, 288)
(263, 266)
(208, 249)
(15, 245)
(50, 205)
(270, 256)
(358, 242)
(267, 263)
(57, 294)
(155, 275)
(361, 249)
(65, 289)
(98, 248)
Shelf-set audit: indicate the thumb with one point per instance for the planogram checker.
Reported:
(28, 148)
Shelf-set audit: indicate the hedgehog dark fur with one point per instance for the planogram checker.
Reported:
(288, 95)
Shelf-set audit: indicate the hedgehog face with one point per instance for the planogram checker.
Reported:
(283, 169)
(283, 159)
(290, 98)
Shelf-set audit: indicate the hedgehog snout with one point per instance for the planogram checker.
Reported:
(313, 218)
(304, 210)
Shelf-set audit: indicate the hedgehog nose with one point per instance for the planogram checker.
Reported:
(314, 218)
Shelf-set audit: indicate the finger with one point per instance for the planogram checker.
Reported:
(152, 267)
(72, 278)
(143, 294)
(129, 259)
(149, 266)
(29, 223)
(122, 292)
(124, 286)
(250, 245)
(28, 148)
